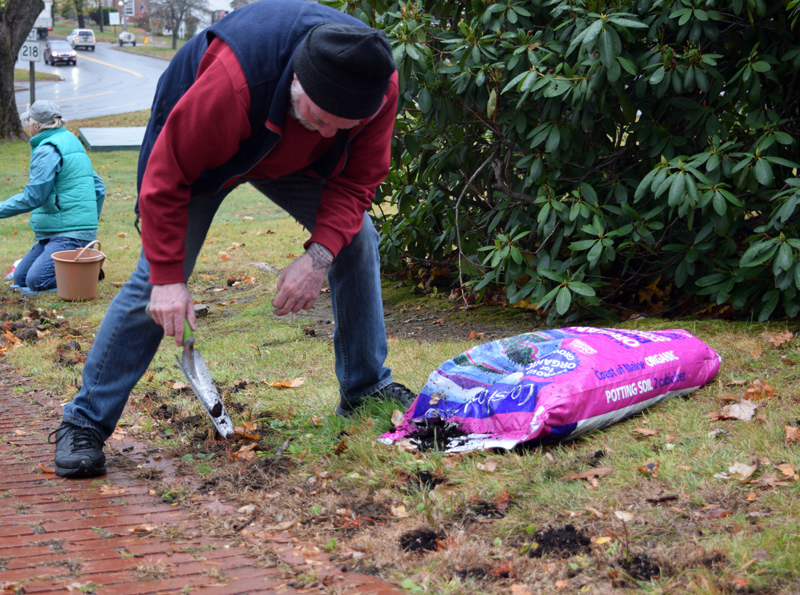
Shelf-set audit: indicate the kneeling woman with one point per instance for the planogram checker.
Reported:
(64, 196)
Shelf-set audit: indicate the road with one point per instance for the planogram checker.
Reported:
(104, 82)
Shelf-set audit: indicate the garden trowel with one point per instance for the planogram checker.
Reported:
(196, 372)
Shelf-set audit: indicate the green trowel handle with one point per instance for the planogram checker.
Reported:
(188, 333)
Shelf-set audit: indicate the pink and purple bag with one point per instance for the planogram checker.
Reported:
(555, 385)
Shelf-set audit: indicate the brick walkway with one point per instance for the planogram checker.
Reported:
(111, 535)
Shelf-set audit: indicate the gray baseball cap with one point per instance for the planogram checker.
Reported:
(43, 111)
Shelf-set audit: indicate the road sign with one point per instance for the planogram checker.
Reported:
(31, 51)
(33, 35)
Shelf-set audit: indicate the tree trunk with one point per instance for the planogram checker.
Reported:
(16, 20)
(174, 38)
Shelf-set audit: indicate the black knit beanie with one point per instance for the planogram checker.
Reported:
(345, 69)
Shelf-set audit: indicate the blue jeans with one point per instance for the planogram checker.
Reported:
(127, 339)
(37, 269)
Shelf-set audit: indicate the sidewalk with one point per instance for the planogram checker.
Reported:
(113, 535)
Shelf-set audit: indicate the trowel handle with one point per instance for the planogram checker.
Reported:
(188, 333)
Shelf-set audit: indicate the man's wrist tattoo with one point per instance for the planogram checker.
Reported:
(321, 257)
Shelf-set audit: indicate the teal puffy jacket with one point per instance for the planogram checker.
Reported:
(72, 205)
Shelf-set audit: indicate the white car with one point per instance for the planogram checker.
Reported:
(127, 37)
(82, 38)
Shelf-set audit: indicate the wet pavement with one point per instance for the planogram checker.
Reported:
(114, 535)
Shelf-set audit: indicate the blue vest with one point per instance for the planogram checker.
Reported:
(264, 36)
(72, 204)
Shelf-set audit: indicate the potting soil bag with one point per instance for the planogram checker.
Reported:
(554, 385)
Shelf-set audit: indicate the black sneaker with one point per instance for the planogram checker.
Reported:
(79, 451)
(393, 392)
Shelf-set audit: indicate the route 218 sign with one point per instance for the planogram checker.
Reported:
(31, 51)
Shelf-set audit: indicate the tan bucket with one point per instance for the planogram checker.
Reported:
(77, 272)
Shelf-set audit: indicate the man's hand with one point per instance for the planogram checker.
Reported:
(169, 305)
(300, 283)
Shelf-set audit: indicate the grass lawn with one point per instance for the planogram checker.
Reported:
(687, 502)
(24, 75)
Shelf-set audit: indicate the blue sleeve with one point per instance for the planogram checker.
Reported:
(99, 192)
(45, 165)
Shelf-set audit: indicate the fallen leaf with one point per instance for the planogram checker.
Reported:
(111, 490)
(759, 390)
(744, 410)
(591, 473)
(520, 590)
(341, 447)
(179, 385)
(755, 351)
(644, 431)
(397, 417)
(683, 467)
(244, 433)
(122, 234)
(778, 339)
(730, 397)
(624, 516)
(474, 335)
(316, 420)
(603, 540)
(650, 468)
(45, 469)
(142, 529)
(399, 511)
(743, 470)
(488, 466)
(792, 433)
(288, 383)
(787, 470)
(562, 584)
(713, 513)
(247, 453)
(769, 480)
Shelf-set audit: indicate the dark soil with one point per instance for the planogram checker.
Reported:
(426, 479)
(421, 540)
(561, 542)
(640, 568)
(486, 510)
(437, 435)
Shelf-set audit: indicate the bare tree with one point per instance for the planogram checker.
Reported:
(79, 8)
(171, 13)
(16, 20)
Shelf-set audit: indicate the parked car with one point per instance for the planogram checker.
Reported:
(127, 37)
(56, 52)
(83, 38)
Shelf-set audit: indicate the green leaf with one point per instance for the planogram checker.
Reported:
(763, 172)
(491, 105)
(658, 75)
(581, 288)
(627, 23)
(607, 53)
(783, 259)
(553, 140)
(677, 192)
(719, 204)
(424, 100)
(563, 300)
(761, 66)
